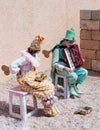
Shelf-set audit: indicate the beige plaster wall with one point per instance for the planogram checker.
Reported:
(21, 20)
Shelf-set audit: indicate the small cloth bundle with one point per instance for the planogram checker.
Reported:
(83, 110)
(41, 77)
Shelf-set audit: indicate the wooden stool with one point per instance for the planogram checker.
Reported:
(66, 93)
(23, 107)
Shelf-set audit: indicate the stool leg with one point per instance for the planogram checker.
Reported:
(68, 91)
(35, 102)
(65, 89)
(23, 107)
(56, 82)
(10, 103)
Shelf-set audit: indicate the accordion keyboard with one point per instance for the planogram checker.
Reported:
(69, 59)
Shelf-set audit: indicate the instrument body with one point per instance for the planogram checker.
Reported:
(73, 56)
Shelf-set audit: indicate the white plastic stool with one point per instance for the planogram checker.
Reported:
(23, 108)
(66, 93)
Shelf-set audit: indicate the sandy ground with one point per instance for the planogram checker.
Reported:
(66, 119)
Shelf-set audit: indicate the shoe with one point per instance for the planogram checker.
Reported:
(73, 92)
(72, 96)
(50, 111)
(77, 90)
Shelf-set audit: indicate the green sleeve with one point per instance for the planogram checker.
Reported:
(55, 58)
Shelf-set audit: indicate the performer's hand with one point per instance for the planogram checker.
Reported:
(83, 60)
(18, 74)
(68, 69)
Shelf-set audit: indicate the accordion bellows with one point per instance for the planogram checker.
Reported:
(40, 89)
(73, 56)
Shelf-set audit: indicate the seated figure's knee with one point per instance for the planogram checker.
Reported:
(73, 78)
(85, 72)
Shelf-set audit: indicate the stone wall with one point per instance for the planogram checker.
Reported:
(90, 38)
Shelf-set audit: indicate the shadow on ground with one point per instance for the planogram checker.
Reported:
(4, 109)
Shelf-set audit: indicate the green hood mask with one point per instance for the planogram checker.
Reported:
(70, 35)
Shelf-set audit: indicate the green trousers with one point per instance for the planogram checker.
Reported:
(76, 77)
